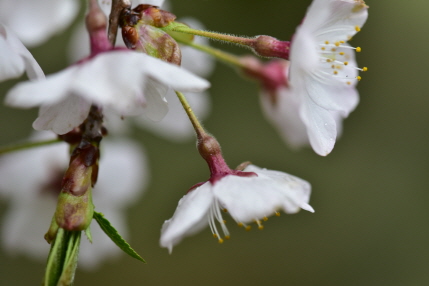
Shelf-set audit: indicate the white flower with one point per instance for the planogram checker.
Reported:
(127, 82)
(323, 71)
(175, 125)
(15, 58)
(36, 21)
(30, 180)
(246, 199)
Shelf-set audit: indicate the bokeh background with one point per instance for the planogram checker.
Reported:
(370, 194)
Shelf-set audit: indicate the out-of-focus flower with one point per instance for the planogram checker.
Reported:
(31, 180)
(323, 72)
(246, 198)
(124, 81)
(36, 21)
(15, 58)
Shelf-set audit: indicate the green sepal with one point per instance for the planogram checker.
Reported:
(62, 259)
(88, 233)
(113, 234)
(181, 37)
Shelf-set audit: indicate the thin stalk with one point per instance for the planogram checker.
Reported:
(199, 129)
(27, 145)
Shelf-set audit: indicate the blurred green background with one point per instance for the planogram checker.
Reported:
(370, 194)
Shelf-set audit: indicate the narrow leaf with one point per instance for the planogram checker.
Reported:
(115, 236)
(57, 254)
(88, 233)
(70, 262)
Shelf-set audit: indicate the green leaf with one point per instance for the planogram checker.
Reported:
(57, 254)
(115, 236)
(70, 262)
(62, 259)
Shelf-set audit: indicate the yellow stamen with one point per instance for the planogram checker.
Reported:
(265, 218)
(349, 83)
(346, 63)
(357, 28)
(358, 49)
(225, 210)
(335, 72)
(323, 48)
(333, 49)
(240, 224)
(342, 42)
(364, 69)
(337, 44)
(220, 240)
(341, 53)
(277, 214)
(358, 78)
(227, 237)
(214, 235)
(248, 227)
(326, 42)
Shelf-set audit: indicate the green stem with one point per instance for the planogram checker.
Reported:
(27, 145)
(199, 129)
(248, 42)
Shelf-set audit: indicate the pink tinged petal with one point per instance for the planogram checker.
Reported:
(49, 91)
(63, 116)
(11, 64)
(249, 198)
(321, 127)
(284, 115)
(189, 217)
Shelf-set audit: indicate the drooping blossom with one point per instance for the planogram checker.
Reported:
(175, 125)
(124, 81)
(248, 195)
(323, 72)
(30, 181)
(34, 22)
(15, 58)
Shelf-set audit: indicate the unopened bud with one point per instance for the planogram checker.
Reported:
(74, 213)
(266, 46)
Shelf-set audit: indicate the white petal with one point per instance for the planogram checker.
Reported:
(284, 115)
(296, 190)
(34, 22)
(49, 91)
(63, 116)
(190, 215)
(156, 106)
(123, 173)
(321, 126)
(176, 125)
(12, 65)
(249, 198)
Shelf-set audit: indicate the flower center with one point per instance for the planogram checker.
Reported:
(337, 59)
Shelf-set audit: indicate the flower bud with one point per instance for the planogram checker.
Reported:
(266, 46)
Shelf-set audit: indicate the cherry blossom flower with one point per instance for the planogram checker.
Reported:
(32, 200)
(175, 124)
(36, 21)
(15, 58)
(323, 71)
(128, 82)
(246, 198)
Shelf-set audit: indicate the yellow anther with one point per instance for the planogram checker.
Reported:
(333, 66)
(225, 210)
(358, 78)
(227, 237)
(265, 218)
(333, 49)
(220, 240)
(341, 53)
(240, 224)
(358, 49)
(328, 60)
(224, 221)
(357, 28)
(342, 42)
(326, 42)
(346, 63)
(337, 44)
(261, 227)
(323, 48)
(335, 72)
(349, 83)
(248, 227)
(364, 69)
(277, 214)
(214, 235)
